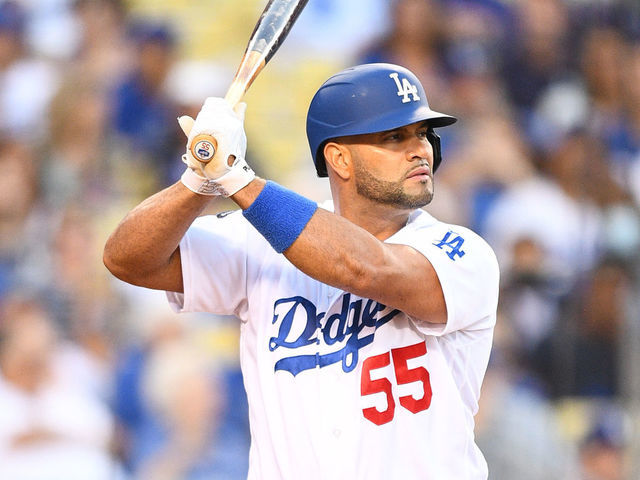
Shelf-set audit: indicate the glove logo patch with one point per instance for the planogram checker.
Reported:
(203, 150)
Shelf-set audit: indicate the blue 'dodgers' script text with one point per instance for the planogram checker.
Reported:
(347, 324)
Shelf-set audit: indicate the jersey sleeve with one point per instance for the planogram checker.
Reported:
(213, 255)
(468, 272)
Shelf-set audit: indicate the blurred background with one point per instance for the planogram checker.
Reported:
(99, 380)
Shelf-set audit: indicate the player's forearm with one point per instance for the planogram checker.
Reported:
(334, 251)
(143, 249)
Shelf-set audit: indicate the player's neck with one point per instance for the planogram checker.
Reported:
(382, 221)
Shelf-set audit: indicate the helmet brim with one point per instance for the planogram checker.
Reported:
(440, 119)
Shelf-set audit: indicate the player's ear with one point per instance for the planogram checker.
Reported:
(338, 158)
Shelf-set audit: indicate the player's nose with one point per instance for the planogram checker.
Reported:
(419, 146)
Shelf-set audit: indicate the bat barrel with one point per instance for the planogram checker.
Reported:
(274, 25)
(272, 28)
(252, 63)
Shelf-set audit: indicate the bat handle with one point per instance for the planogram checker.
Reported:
(203, 147)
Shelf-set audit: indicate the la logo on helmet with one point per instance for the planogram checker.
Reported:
(405, 88)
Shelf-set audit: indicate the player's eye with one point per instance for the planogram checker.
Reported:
(423, 133)
(393, 137)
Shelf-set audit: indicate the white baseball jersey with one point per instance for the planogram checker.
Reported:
(343, 387)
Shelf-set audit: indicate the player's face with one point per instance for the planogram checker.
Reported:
(394, 167)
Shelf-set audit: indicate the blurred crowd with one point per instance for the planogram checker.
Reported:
(101, 380)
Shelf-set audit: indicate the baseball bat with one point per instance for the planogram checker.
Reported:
(270, 31)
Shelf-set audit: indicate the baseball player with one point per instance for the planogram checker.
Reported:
(366, 324)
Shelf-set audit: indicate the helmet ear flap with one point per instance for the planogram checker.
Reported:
(320, 162)
(434, 140)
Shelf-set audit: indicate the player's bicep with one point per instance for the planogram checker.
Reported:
(468, 275)
(413, 286)
(170, 277)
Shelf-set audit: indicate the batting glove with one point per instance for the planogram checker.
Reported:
(216, 147)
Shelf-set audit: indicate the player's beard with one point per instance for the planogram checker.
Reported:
(388, 192)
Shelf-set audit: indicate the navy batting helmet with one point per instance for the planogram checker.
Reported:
(369, 98)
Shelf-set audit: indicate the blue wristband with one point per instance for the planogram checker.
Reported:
(280, 215)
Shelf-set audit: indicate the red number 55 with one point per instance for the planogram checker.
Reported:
(403, 375)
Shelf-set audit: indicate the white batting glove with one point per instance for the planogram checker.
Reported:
(225, 171)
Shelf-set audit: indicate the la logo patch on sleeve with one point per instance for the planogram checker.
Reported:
(451, 243)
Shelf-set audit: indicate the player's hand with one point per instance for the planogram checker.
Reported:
(226, 171)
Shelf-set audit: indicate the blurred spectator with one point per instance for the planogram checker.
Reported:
(602, 448)
(581, 356)
(536, 52)
(516, 425)
(553, 210)
(473, 35)
(183, 412)
(26, 83)
(144, 116)
(82, 161)
(19, 187)
(50, 30)
(601, 60)
(579, 165)
(490, 160)
(104, 53)
(530, 297)
(80, 289)
(589, 99)
(48, 423)
(602, 458)
(65, 269)
(75, 167)
(627, 150)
